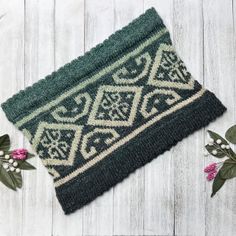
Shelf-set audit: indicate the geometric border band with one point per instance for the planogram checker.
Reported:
(127, 138)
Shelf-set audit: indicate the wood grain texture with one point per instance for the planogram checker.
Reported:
(38, 62)
(189, 190)
(219, 69)
(11, 80)
(68, 44)
(169, 196)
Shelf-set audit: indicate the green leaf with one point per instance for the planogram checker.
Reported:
(216, 136)
(24, 165)
(228, 170)
(230, 134)
(217, 184)
(17, 178)
(228, 152)
(30, 155)
(219, 154)
(6, 179)
(4, 142)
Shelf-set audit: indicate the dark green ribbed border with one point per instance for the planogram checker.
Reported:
(74, 72)
(154, 141)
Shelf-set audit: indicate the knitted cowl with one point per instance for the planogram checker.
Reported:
(109, 112)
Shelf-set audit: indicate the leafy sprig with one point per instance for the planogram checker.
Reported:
(11, 164)
(220, 148)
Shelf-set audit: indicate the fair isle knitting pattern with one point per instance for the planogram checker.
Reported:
(109, 112)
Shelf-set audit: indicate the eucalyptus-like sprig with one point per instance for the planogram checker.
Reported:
(11, 163)
(220, 148)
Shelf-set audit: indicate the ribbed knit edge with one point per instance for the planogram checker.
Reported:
(70, 74)
(125, 160)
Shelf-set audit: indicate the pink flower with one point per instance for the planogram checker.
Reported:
(211, 175)
(19, 154)
(210, 168)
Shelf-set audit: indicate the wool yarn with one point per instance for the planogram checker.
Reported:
(105, 114)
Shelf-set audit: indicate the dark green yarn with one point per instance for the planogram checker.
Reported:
(143, 149)
(153, 111)
(81, 68)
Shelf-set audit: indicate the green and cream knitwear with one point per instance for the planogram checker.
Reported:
(105, 114)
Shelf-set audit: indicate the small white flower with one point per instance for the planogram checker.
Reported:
(1, 153)
(206, 153)
(11, 161)
(5, 166)
(7, 157)
(15, 164)
(223, 146)
(12, 168)
(227, 147)
(17, 170)
(218, 141)
(211, 141)
(214, 152)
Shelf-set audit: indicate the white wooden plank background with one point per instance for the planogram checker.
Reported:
(169, 196)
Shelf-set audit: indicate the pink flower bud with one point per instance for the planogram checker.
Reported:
(210, 168)
(19, 154)
(211, 175)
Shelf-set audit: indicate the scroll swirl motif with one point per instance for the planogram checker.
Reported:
(60, 112)
(97, 138)
(173, 97)
(121, 76)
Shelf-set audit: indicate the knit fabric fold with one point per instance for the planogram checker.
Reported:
(109, 112)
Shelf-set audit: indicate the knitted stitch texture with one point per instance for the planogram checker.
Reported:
(109, 112)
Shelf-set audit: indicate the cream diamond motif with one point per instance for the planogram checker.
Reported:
(169, 71)
(115, 106)
(57, 143)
